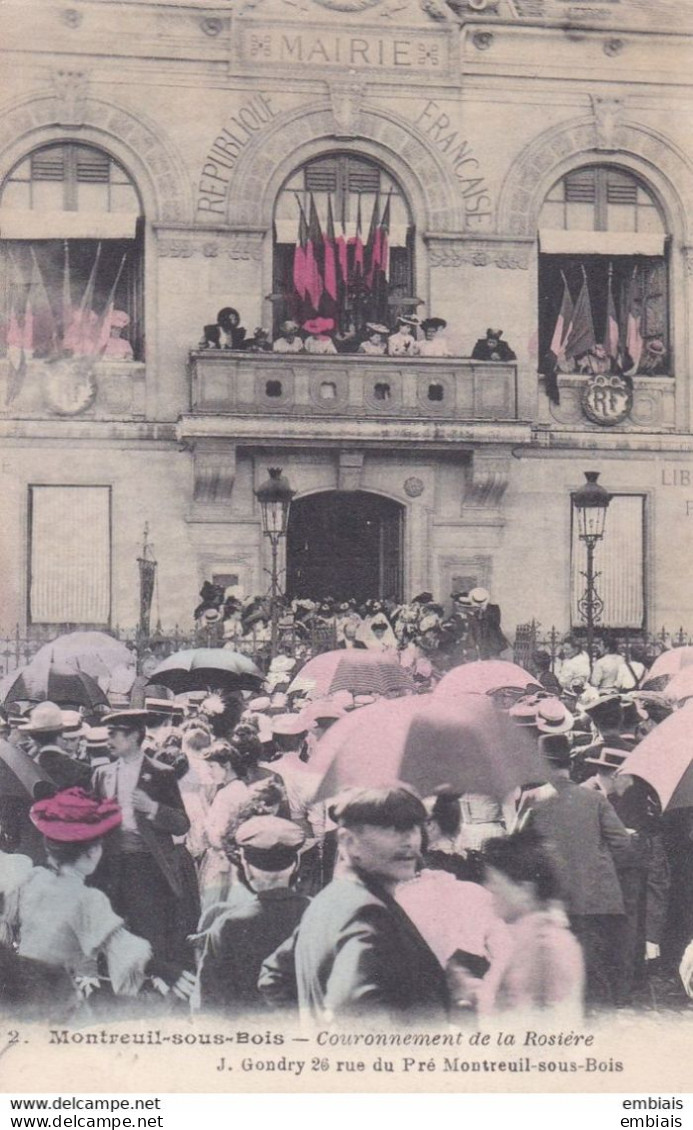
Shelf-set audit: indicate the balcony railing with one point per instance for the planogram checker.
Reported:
(352, 386)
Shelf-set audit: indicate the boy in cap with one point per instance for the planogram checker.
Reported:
(355, 951)
(262, 912)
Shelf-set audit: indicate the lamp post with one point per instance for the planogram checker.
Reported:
(591, 503)
(274, 496)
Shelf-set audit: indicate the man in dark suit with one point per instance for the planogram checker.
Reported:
(139, 869)
(486, 639)
(589, 846)
(356, 952)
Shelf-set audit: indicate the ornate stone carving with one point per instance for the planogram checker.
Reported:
(211, 25)
(414, 486)
(70, 88)
(346, 99)
(350, 470)
(613, 47)
(479, 253)
(434, 9)
(487, 480)
(607, 112)
(214, 466)
(482, 40)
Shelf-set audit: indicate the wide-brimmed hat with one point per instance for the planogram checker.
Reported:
(322, 708)
(656, 345)
(126, 719)
(552, 717)
(73, 724)
(479, 596)
(46, 718)
(318, 325)
(292, 724)
(96, 737)
(433, 324)
(376, 328)
(72, 816)
(608, 758)
(409, 320)
(120, 319)
(289, 327)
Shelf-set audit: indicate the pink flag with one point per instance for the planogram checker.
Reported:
(563, 321)
(634, 341)
(611, 334)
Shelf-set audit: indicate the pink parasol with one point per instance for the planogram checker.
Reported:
(484, 676)
(664, 758)
(467, 744)
(669, 662)
(361, 672)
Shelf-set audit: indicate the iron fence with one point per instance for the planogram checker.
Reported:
(532, 636)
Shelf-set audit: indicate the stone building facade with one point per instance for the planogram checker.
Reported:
(523, 138)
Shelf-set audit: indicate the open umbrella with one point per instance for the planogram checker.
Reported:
(469, 745)
(664, 758)
(94, 653)
(207, 668)
(669, 662)
(484, 676)
(361, 672)
(52, 684)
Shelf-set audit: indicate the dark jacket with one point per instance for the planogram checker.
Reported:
(64, 771)
(483, 352)
(484, 632)
(159, 783)
(588, 843)
(355, 953)
(238, 936)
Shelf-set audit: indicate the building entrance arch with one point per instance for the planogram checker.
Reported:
(345, 544)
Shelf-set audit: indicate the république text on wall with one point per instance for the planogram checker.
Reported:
(225, 150)
(438, 128)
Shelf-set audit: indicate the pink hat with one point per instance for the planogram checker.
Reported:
(73, 817)
(319, 325)
(120, 319)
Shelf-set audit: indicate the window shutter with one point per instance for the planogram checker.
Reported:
(70, 555)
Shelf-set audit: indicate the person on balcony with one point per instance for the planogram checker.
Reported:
(319, 340)
(288, 340)
(403, 342)
(491, 348)
(434, 343)
(376, 343)
(654, 360)
(260, 342)
(233, 332)
(118, 348)
(595, 363)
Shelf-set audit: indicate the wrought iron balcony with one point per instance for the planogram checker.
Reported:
(352, 386)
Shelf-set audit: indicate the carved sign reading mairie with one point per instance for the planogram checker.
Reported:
(392, 49)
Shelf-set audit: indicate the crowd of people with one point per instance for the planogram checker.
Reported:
(180, 853)
(409, 337)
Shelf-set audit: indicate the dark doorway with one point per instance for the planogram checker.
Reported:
(345, 544)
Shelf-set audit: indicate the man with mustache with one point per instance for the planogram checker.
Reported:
(355, 951)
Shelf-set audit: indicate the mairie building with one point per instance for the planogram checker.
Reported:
(162, 161)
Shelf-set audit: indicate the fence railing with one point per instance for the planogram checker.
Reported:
(532, 636)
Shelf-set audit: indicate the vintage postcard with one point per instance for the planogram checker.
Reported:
(346, 496)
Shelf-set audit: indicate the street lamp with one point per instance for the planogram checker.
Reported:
(591, 502)
(274, 496)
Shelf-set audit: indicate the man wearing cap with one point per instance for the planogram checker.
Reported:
(355, 951)
(262, 912)
(45, 726)
(139, 871)
(403, 343)
(288, 341)
(589, 845)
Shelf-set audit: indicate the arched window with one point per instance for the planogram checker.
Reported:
(603, 276)
(71, 240)
(343, 246)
